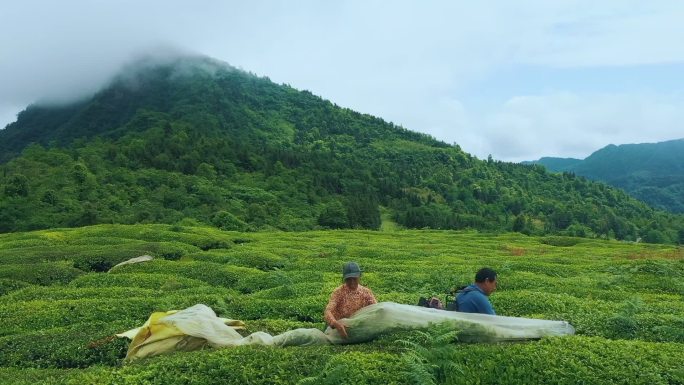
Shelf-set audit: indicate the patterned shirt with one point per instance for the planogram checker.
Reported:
(344, 302)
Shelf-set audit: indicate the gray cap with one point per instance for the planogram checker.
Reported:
(351, 269)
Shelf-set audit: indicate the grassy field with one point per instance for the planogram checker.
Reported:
(59, 306)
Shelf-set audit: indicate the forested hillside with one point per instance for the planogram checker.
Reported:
(651, 172)
(195, 140)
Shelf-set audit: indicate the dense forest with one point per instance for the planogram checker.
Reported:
(194, 140)
(651, 172)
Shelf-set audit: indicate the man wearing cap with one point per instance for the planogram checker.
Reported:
(473, 298)
(348, 298)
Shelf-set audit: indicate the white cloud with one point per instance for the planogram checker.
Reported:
(609, 34)
(8, 114)
(408, 62)
(575, 125)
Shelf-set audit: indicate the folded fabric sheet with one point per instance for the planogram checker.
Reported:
(198, 326)
(373, 320)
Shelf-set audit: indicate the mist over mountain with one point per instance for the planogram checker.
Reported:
(651, 172)
(192, 139)
(555, 164)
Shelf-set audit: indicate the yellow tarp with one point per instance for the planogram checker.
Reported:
(158, 335)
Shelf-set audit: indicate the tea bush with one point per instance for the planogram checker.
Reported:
(96, 256)
(625, 300)
(361, 368)
(292, 290)
(572, 360)
(55, 293)
(262, 260)
(26, 316)
(139, 280)
(10, 285)
(40, 273)
(308, 309)
(210, 273)
(73, 346)
(560, 241)
(242, 365)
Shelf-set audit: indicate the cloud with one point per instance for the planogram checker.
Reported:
(416, 64)
(8, 114)
(574, 125)
(608, 34)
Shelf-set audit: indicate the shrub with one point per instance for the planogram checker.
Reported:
(252, 280)
(306, 309)
(210, 273)
(591, 287)
(35, 315)
(216, 256)
(570, 360)
(561, 241)
(99, 254)
(38, 293)
(40, 273)
(227, 221)
(252, 365)
(137, 280)
(261, 260)
(19, 244)
(101, 260)
(622, 326)
(98, 250)
(211, 243)
(37, 254)
(659, 327)
(361, 368)
(10, 285)
(31, 376)
(249, 258)
(288, 291)
(74, 346)
(243, 279)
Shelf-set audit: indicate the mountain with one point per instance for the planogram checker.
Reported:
(651, 172)
(193, 140)
(555, 164)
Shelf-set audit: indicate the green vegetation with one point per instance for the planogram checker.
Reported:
(195, 141)
(59, 309)
(651, 172)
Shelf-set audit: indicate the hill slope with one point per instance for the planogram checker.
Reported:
(196, 139)
(651, 172)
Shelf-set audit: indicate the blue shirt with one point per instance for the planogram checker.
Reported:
(473, 300)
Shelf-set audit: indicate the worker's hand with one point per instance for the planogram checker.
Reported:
(341, 329)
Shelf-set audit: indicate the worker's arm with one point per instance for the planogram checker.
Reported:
(333, 303)
(330, 317)
(371, 298)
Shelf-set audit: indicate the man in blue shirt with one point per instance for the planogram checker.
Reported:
(473, 298)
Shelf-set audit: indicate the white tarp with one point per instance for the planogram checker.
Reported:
(142, 258)
(198, 326)
(373, 320)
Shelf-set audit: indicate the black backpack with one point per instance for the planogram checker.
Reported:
(433, 303)
(449, 300)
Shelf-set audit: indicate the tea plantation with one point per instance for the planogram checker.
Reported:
(59, 305)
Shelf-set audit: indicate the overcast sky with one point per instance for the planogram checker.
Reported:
(514, 79)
